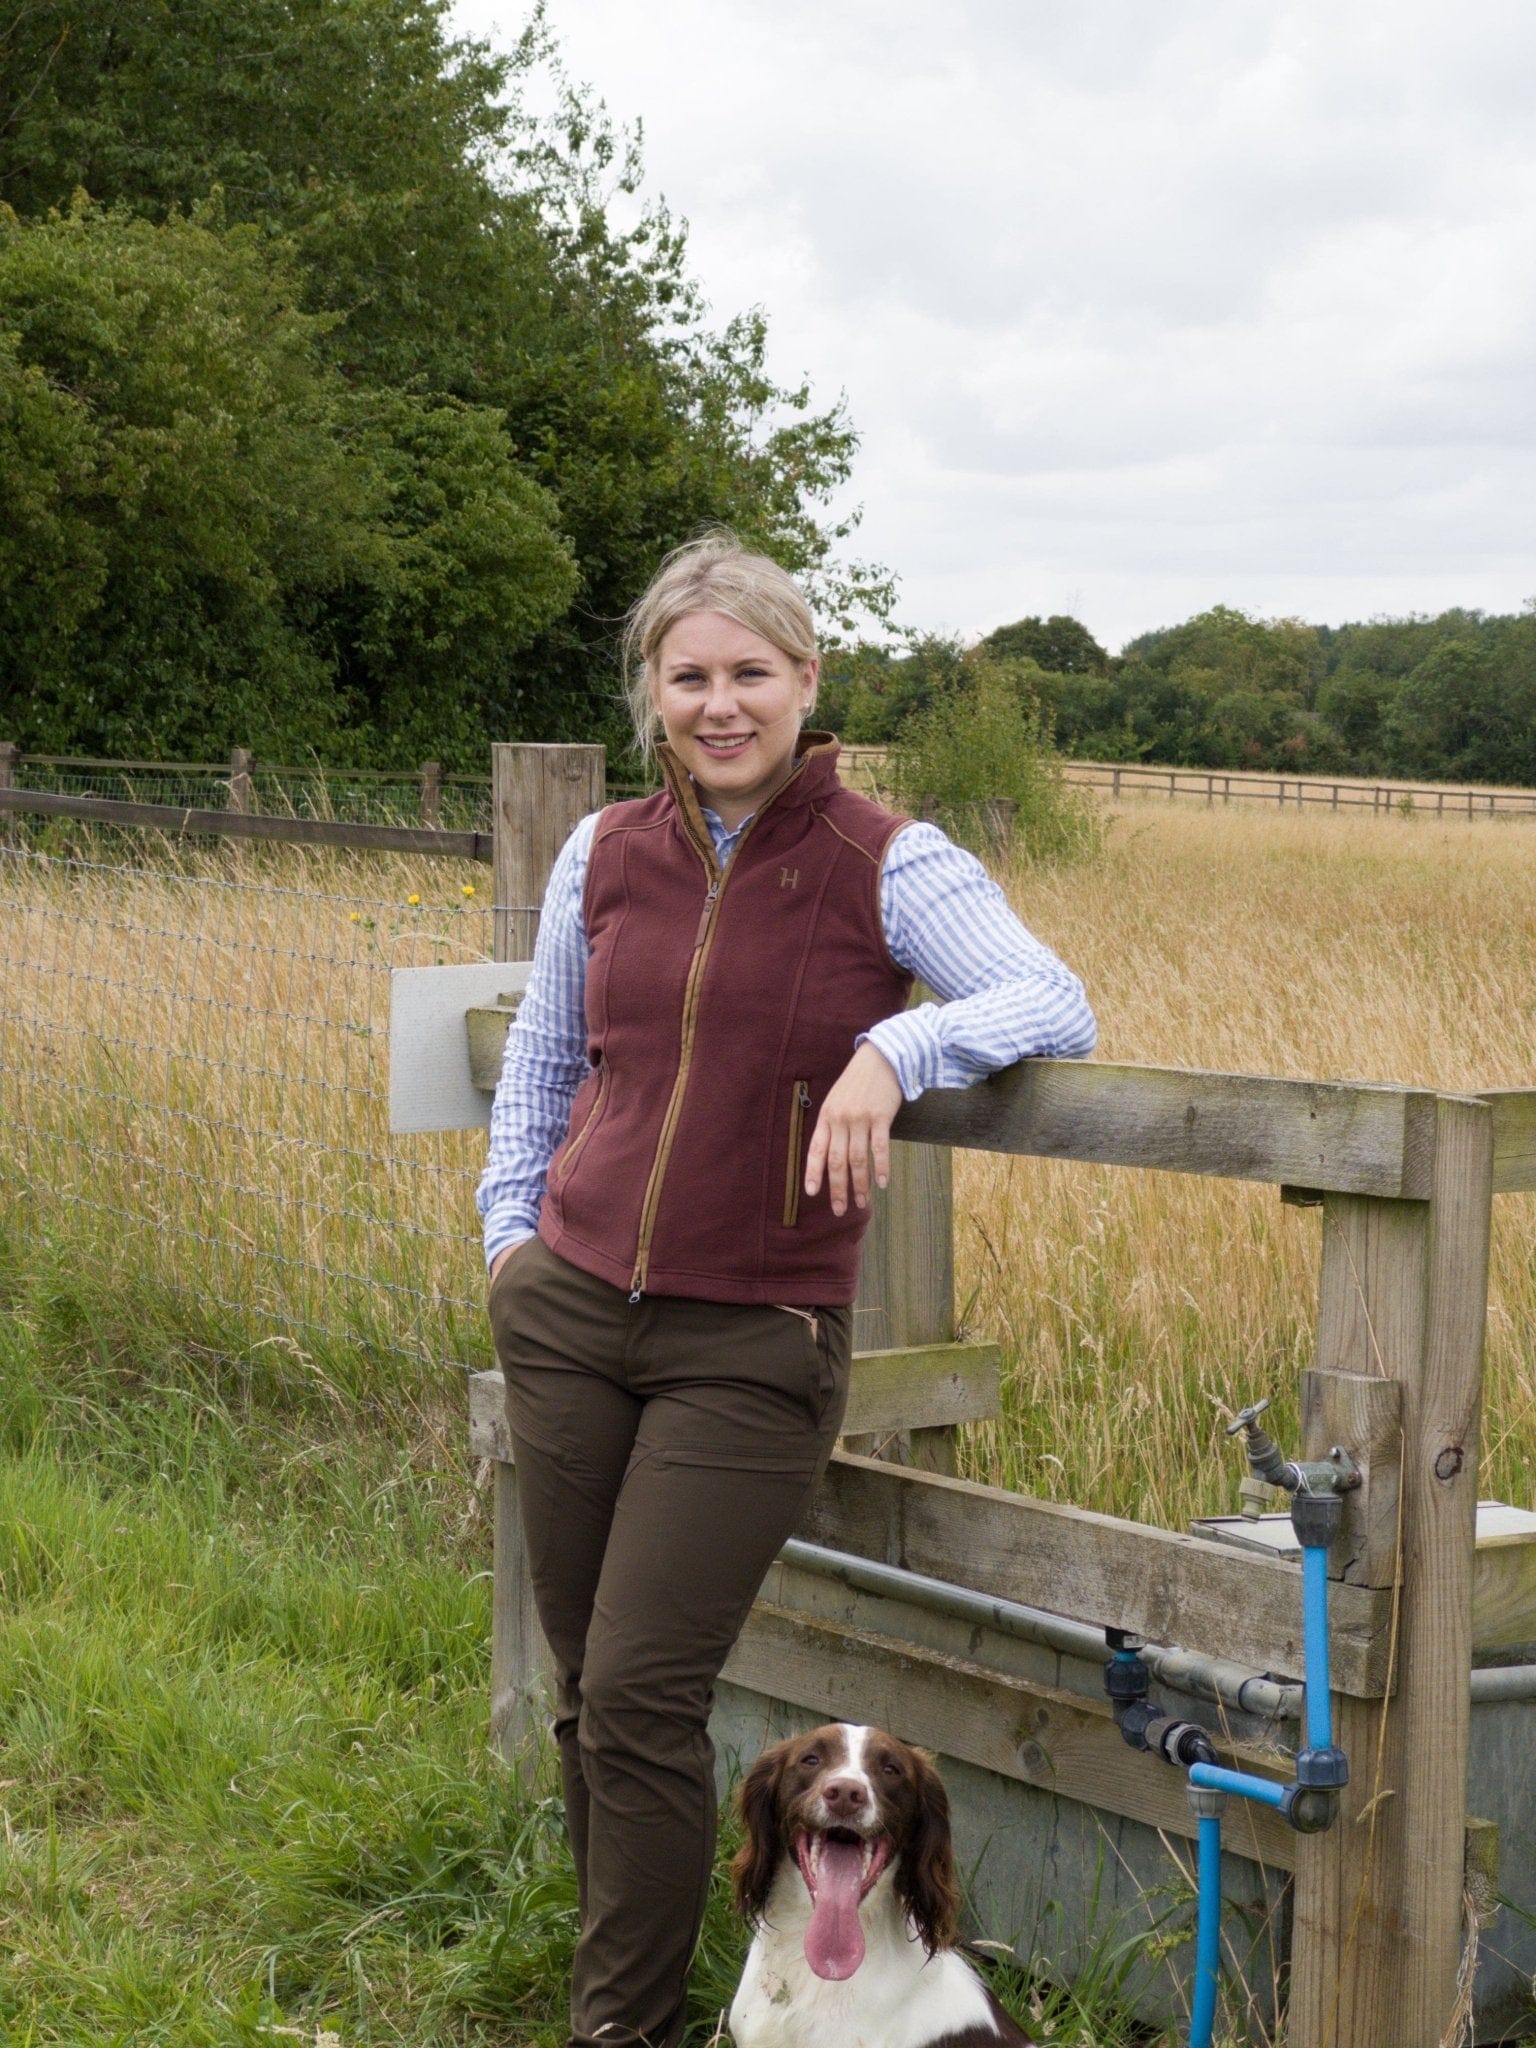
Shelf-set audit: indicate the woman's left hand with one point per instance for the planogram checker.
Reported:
(852, 1138)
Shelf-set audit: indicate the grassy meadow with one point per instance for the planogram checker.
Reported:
(244, 1627)
(1136, 1307)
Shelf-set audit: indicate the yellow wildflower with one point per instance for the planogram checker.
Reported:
(469, 888)
(413, 900)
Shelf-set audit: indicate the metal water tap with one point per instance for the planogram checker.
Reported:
(1315, 1485)
(1337, 1473)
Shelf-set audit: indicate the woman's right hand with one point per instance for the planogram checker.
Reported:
(501, 1259)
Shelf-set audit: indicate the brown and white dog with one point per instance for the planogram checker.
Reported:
(848, 1877)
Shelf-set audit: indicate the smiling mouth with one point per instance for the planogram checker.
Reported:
(811, 1853)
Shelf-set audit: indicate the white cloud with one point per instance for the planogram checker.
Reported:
(1136, 309)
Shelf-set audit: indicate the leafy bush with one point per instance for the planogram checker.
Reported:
(978, 760)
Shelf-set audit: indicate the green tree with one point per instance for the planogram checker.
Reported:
(209, 535)
(980, 762)
(1467, 712)
(459, 250)
(1060, 645)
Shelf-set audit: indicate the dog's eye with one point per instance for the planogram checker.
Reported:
(810, 1760)
(891, 1770)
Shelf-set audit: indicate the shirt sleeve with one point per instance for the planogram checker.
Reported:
(546, 1058)
(1003, 995)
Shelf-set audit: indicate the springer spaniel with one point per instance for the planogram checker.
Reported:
(849, 1880)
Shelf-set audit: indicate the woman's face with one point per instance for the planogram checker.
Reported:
(731, 705)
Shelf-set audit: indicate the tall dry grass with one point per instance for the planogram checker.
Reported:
(1134, 1305)
(194, 1091)
(193, 1095)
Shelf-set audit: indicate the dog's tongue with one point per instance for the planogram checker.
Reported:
(834, 1941)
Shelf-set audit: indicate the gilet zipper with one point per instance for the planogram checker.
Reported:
(702, 940)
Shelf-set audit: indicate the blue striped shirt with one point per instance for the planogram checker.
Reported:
(1003, 997)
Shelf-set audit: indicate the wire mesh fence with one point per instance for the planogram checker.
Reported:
(457, 803)
(194, 1085)
(354, 796)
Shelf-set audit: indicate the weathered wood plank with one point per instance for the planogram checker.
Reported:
(1377, 1927)
(906, 1269)
(182, 823)
(1364, 1413)
(520, 1659)
(1168, 1587)
(1314, 1134)
(538, 795)
(1514, 1138)
(1017, 1727)
(929, 1388)
(1504, 1593)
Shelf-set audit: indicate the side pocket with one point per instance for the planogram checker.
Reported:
(816, 1354)
(592, 1116)
(794, 1168)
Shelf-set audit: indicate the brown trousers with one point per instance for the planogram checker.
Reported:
(664, 1451)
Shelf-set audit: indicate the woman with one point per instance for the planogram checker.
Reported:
(697, 1097)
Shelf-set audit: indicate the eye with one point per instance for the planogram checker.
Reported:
(810, 1760)
(891, 1770)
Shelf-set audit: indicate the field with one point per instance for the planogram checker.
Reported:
(1137, 1307)
(243, 1645)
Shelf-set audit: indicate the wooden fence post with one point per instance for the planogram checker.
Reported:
(537, 795)
(10, 753)
(431, 793)
(241, 760)
(1377, 1928)
(906, 1291)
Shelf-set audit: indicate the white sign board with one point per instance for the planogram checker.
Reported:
(429, 1084)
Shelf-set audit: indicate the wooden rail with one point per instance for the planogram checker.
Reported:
(1382, 799)
(180, 823)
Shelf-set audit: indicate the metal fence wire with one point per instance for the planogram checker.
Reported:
(194, 1084)
(463, 802)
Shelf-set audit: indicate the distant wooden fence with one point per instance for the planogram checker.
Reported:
(1383, 799)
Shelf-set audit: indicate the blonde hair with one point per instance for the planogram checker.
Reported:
(714, 573)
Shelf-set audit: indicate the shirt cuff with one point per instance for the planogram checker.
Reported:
(500, 1237)
(912, 1045)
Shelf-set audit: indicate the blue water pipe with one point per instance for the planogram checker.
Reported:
(1310, 1801)
(1202, 2019)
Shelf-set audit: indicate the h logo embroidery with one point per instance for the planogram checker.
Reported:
(789, 878)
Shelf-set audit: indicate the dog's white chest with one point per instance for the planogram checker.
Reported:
(898, 1998)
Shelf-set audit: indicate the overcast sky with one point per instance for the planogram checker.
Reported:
(1137, 308)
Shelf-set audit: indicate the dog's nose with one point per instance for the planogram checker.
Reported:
(845, 1795)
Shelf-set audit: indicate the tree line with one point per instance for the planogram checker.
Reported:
(340, 411)
(345, 404)
(1450, 698)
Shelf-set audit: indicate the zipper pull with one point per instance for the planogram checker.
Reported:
(634, 1297)
(709, 904)
(805, 1096)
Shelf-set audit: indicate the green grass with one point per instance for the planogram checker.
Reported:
(244, 1783)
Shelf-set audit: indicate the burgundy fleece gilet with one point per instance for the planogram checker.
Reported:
(716, 1025)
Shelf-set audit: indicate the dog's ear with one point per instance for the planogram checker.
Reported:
(925, 1876)
(757, 1802)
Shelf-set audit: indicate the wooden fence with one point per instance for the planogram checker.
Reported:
(1403, 1180)
(1302, 792)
